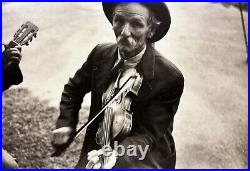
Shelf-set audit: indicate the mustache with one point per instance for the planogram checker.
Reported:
(125, 40)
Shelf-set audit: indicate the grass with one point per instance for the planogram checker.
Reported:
(27, 124)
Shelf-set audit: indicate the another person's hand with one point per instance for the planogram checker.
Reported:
(95, 159)
(12, 56)
(8, 161)
(61, 135)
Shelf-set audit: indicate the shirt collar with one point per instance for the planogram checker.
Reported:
(133, 61)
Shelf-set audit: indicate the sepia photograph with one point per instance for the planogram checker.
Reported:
(105, 85)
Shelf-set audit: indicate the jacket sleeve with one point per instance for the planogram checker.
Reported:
(73, 93)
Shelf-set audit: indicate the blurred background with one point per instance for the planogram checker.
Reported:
(205, 41)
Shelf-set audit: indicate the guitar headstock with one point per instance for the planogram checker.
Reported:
(25, 34)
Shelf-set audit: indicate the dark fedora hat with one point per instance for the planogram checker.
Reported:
(159, 9)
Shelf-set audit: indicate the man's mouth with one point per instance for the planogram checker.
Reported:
(124, 42)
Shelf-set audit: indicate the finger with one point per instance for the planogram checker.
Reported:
(94, 159)
(19, 48)
(14, 60)
(59, 139)
(100, 152)
(114, 153)
(56, 139)
(14, 53)
(65, 138)
(12, 49)
(111, 161)
(95, 153)
(91, 153)
(66, 130)
(89, 165)
(110, 164)
(61, 135)
(15, 48)
(97, 165)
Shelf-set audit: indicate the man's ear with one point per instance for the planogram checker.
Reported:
(151, 32)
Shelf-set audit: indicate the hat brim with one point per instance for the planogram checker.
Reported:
(160, 11)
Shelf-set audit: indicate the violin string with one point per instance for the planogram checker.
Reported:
(107, 132)
(104, 133)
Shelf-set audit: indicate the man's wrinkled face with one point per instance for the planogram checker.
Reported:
(131, 27)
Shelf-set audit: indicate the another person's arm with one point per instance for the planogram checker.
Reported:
(11, 73)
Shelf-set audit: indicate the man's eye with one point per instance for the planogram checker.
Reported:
(137, 24)
(118, 20)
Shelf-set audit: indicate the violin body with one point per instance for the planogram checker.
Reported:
(119, 111)
(122, 119)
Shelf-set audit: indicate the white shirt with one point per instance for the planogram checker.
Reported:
(127, 70)
(133, 61)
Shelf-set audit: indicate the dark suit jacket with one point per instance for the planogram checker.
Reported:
(154, 107)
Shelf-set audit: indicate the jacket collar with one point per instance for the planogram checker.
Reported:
(147, 64)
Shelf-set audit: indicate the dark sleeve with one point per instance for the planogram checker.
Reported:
(11, 75)
(73, 93)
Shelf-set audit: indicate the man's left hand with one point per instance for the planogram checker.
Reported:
(95, 158)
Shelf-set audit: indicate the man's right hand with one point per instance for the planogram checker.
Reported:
(61, 135)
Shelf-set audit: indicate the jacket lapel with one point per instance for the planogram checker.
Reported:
(104, 69)
(146, 68)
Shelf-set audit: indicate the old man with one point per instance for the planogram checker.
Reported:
(149, 107)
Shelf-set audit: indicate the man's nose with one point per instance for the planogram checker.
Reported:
(126, 31)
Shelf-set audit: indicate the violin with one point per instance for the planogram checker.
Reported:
(117, 121)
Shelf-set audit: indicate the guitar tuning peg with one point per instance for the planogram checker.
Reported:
(27, 43)
(18, 30)
(35, 35)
